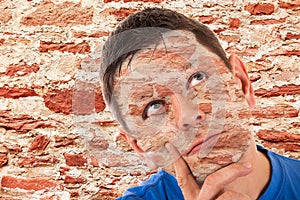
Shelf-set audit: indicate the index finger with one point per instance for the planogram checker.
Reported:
(215, 183)
(184, 176)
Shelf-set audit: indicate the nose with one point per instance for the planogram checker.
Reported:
(186, 113)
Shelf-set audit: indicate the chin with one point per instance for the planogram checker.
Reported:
(215, 160)
(220, 156)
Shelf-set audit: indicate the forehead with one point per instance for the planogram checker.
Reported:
(177, 50)
(170, 62)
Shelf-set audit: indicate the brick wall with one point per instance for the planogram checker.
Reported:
(52, 111)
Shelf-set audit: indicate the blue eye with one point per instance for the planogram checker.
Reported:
(197, 78)
(156, 107)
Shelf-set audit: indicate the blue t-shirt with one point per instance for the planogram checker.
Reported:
(284, 183)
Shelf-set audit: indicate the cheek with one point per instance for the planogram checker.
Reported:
(156, 143)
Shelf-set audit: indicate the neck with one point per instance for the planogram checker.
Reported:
(255, 183)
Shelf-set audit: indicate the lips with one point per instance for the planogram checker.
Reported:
(200, 144)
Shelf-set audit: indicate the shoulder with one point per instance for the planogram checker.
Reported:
(285, 178)
(160, 185)
(279, 161)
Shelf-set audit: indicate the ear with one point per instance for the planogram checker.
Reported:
(240, 72)
(132, 142)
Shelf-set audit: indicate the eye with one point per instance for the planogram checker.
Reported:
(156, 107)
(196, 79)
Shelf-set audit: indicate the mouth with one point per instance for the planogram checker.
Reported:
(200, 144)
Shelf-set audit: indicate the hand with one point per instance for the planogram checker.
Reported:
(214, 185)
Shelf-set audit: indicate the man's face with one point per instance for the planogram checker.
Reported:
(179, 92)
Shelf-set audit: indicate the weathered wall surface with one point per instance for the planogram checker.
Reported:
(50, 98)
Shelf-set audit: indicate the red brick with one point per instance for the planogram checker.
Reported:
(207, 19)
(105, 192)
(260, 9)
(64, 169)
(280, 140)
(15, 93)
(81, 48)
(107, 123)
(290, 36)
(254, 77)
(161, 91)
(72, 180)
(293, 5)
(40, 143)
(94, 161)
(99, 143)
(271, 112)
(87, 98)
(217, 31)
(145, 92)
(107, 1)
(8, 198)
(75, 159)
(13, 70)
(37, 161)
(3, 159)
(291, 53)
(286, 146)
(59, 100)
(74, 194)
(290, 89)
(230, 140)
(99, 101)
(154, 1)
(115, 181)
(84, 98)
(267, 21)
(65, 141)
(52, 197)
(5, 15)
(39, 123)
(234, 23)
(230, 38)
(22, 122)
(220, 159)
(136, 110)
(206, 107)
(66, 14)
(12, 147)
(296, 124)
(278, 136)
(121, 13)
(39, 183)
(81, 34)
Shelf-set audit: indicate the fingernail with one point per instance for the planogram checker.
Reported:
(247, 165)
